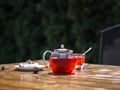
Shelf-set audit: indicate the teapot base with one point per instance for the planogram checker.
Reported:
(54, 73)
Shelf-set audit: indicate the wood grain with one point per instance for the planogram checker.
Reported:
(95, 77)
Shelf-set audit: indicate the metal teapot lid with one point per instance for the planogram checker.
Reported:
(62, 49)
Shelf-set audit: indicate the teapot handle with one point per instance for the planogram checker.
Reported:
(44, 54)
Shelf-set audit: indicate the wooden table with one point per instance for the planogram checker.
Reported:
(95, 77)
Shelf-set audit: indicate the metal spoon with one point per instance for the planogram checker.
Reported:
(87, 51)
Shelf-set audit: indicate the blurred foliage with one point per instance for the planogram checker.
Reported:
(29, 27)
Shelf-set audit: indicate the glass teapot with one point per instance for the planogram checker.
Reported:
(61, 61)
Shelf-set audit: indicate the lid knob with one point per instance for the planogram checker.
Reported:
(62, 46)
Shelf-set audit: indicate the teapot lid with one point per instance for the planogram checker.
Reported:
(62, 49)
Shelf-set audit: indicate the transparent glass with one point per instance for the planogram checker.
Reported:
(62, 66)
(80, 60)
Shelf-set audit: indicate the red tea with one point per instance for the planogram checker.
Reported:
(80, 60)
(62, 66)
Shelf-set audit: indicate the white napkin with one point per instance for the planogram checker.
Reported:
(25, 66)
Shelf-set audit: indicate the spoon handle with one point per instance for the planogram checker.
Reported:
(87, 51)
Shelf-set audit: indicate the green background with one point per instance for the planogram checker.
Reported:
(29, 27)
